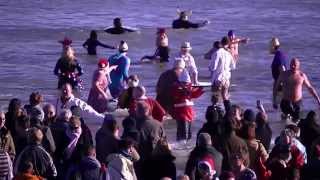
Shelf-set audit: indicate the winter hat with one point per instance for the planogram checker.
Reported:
(179, 63)
(206, 165)
(66, 41)
(103, 63)
(249, 115)
(275, 42)
(184, 77)
(123, 46)
(186, 45)
(204, 140)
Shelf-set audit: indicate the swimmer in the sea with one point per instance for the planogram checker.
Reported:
(183, 22)
(118, 28)
(92, 43)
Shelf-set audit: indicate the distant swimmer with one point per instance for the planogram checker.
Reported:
(184, 23)
(162, 44)
(234, 44)
(118, 28)
(92, 43)
(292, 82)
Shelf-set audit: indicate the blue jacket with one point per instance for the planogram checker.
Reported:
(122, 72)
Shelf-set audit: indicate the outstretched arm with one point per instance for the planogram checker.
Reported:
(105, 45)
(311, 89)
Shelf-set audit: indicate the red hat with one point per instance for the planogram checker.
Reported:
(206, 164)
(103, 63)
(161, 30)
(66, 41)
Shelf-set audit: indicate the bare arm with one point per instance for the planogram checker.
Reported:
(311, 89)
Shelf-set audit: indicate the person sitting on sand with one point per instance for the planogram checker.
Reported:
(184, 23)
(162, 44)
(234, 44)
(92, 43)
(118, 28)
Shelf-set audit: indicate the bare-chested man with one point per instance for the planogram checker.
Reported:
(292, 82)
(234, 44)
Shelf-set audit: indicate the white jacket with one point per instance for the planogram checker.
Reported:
(221, 65)
(87, 112)
(120, 168)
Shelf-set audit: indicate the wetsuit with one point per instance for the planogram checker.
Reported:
(92, 46)
(118, 30)
(68, 72)
(179, 24)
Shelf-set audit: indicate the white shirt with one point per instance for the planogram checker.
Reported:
(221, 65)
(87, 112)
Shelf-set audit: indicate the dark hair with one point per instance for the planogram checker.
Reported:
(35, 98)
(225, 41)
(26, 166)
(14, 105)
(89, 149)
(217, 44)
(112, 125)
(126, 143)
(93, 35)
(117, 21)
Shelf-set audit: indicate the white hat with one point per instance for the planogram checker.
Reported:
(184, 77)
(186, 45)
(275, 42)
(179, 63)
(123, 46)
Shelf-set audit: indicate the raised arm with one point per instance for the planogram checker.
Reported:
(311, 89)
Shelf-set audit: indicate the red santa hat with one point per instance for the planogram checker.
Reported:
(66, 41)
(103, 63)
(206, 164)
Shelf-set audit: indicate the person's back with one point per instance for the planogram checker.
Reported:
(221, 65)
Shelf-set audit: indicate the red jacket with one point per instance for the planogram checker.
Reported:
(182, 94)
(156, 109)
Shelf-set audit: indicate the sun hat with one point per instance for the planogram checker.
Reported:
(103, 63)
(66, 41)
(186, 45)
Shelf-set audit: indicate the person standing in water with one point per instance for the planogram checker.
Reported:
(92, 43)
(292, 82)
(162, 44)
(186, 56)
(183, 22)
(99, 94)
(119, 75)
(234, 44)
(68, 69)
(65, 42)
(118, 28)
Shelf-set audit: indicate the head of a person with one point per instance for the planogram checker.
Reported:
(49, 111)
(161, 31)
(237, 160)
(184, 15)
(179, 65)
(36, 117)
(127, 144)
(274, 45)
(250, 130)
(27, 167)
(185, 47)
(249, 115)
(36, 135)
(184, 77)
(214, 99)
(133, 80)
(35, 98)
(2, 119)
(261, 119)
(294, 129)
(162, 148)
(311, 117)
(123, 47)
(117, 22)
(66, 42)
(103, 64)
(231, 34)
(139, 92)
(93, 35)
(90, 151)
(295, 64)
(183, 177)
(111, 123)
(206, 167)
(65, 115)
(66, 91)
(204, 140)
(235, 113)
(15, 106)
(75, 124)
(68, 53)
(142, 110)
(217, 45)
(286, 136)
(225, 41)
(227, 175)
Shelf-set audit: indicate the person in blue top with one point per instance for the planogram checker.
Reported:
(184, 23)
(279, 63)
(121, 73)
(92, 43)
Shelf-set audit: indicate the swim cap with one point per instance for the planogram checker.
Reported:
(231, 33)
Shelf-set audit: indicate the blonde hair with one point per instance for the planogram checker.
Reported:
(68, 53)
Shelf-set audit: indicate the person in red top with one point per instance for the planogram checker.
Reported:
(182, 93)
(139, 94)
